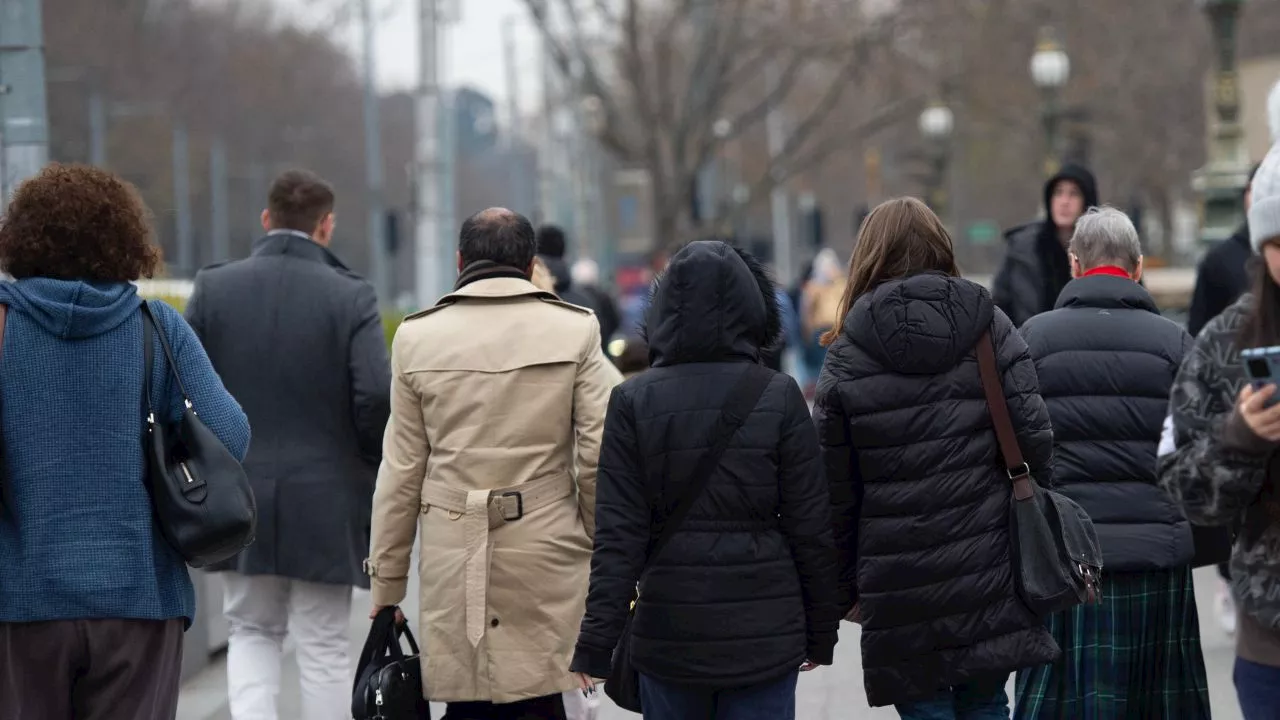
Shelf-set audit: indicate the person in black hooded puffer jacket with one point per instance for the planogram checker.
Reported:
(745, 593)
(920, 495)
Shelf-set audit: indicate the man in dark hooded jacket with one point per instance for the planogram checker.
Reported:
(1222, 276)
(551, 248)
(1035, 267)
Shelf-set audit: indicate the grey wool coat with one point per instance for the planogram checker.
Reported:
(298, 341)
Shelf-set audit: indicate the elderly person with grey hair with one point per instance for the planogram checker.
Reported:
(1107, 359)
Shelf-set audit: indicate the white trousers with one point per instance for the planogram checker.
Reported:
(262, 610)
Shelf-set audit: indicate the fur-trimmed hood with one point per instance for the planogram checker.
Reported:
(714, 303)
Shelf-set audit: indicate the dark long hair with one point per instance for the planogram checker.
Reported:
(1262, 326)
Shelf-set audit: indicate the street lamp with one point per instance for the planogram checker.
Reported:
(1050, 70)
(1221, 183)
(936, 123)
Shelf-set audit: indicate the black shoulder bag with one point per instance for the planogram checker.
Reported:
(1057, 563)
(203, 503)
(623, 684)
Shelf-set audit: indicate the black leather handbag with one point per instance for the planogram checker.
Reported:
(623, 684)
(203, 503)
(388, 682)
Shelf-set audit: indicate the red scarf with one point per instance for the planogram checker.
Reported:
(1109, 270)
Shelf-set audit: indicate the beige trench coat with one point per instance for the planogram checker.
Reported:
(497, 407)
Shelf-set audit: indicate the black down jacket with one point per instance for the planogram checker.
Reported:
(1106, 361)
(746, 590)
(921, 499)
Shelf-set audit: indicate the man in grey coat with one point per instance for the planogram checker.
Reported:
(298, 341)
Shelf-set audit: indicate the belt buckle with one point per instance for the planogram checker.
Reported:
(519, 505)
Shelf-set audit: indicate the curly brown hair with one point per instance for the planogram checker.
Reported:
(76, 222)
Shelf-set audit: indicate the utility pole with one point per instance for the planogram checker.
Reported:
(373, 157)
(779, 202)
(427, 246)
(546, 154)
(97, 128)
(182, 200)
(24, 115)
(516, 181)
(219, 222)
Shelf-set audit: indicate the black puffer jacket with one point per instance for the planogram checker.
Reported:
(921, 502)
(746, 590)
(1106, 360)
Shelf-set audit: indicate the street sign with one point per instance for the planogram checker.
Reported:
(983, 232)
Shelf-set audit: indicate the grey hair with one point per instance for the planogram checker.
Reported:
(1106, 236)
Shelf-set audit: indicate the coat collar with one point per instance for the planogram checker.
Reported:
(1106, 292)
(296, 244)
(498, 287)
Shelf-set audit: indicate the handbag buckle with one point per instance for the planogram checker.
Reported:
(1022, 471)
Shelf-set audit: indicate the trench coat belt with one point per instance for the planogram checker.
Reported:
(486, 510)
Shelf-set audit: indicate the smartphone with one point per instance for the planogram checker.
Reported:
(1262, 365)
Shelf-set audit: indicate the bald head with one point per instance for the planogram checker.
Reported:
(500, 236)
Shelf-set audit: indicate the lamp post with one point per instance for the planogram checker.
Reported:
(936, 123)
(1221, 182)
(1050, 70)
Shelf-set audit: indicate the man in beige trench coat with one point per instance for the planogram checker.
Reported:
(497, 406)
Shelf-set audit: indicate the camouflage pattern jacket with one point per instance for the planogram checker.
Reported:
(1218, 472)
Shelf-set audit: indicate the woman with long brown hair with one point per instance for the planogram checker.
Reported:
(921, 502)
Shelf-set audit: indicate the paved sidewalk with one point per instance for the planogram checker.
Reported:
(834, 693)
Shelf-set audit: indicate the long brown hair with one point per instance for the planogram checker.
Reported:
(901, 237)
(1261, 326)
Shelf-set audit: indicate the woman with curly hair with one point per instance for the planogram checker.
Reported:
(93, 601)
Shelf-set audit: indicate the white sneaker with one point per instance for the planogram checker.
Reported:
(1225, 609)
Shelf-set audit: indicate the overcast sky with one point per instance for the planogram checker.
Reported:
(474, 42)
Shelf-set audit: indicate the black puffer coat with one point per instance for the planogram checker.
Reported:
(746, 591)
(921, 500)
(1106, 360)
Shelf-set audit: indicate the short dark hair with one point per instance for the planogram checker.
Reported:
(500, 236)
(299, 200)
(551, 241)
(76, 222)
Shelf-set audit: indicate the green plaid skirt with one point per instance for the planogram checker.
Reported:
(1136, 655)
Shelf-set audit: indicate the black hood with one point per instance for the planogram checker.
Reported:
(559, 270)
(1078, 175)
(1106, 292)
(921, 325)
(713, 303)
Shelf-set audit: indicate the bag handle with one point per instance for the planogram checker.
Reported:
(743, 398)
(1016, 467)
(149, 319)
(6, 495)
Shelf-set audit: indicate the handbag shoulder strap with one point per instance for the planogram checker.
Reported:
(1015, 466)
(743, 398)
(150, 319)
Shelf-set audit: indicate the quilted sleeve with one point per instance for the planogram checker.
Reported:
(1027, 409)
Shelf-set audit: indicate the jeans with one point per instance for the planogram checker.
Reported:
(978, 700)
(1258, 689)
(262, 610)
(774, 700)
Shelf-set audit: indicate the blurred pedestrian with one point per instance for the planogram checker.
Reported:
(298, 340)
(755, 545)
(552, 246)
(93, 600)
(819, 305)
(1222, 468)
(1035, 266)
(498, 402)
(586, 278)
(920, 498)
(1106, 360)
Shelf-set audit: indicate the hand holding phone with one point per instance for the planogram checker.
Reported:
(1262, 365)
(1259, 411)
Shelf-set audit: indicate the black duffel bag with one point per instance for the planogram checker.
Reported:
(388, 682)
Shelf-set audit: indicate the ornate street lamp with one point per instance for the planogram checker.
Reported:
(1050, 70)
(1221, 182)
(936, 123)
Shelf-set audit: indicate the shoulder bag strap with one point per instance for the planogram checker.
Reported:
(743, 398)
(168, 352)
(6, 497)
(148, 358)
(1016, 467)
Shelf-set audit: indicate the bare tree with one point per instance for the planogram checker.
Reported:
(674, 81)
